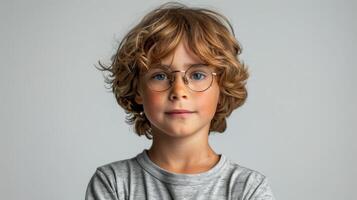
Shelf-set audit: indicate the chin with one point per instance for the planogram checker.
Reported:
(180, 133)
(174, 133)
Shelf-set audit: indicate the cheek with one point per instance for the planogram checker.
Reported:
(208, 102)
(153, 102)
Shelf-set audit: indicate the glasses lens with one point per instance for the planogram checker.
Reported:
(199, 77)
(158, 79)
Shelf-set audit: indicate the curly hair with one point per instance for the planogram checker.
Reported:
(209, 35)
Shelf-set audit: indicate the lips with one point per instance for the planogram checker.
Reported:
(179, 111)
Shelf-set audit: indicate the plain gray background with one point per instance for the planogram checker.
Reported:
(58, 122)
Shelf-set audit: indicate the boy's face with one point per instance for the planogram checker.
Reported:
(157, 105)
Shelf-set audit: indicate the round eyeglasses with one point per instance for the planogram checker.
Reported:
(198, 77)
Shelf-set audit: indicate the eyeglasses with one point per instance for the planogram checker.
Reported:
(198, 77)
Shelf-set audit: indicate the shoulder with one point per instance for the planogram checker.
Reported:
(249, 173)
(118, 170)
(111, 178)
(251, 183)
(243, 173)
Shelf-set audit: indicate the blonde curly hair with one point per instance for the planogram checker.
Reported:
(211, 38)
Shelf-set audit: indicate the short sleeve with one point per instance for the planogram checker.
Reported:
(258, 188)
(100, 188)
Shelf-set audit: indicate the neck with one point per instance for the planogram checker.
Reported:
(191, 154)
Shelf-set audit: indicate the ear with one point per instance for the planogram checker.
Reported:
(138, 93)
(138, 98)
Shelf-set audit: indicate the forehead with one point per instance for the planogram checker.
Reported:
(182, 56)
(171, 67)
(182, 50)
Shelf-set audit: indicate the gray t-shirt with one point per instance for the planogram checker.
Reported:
(139, 178)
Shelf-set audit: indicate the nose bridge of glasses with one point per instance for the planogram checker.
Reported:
(173, 78)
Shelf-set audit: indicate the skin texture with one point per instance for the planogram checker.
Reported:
(180, 143)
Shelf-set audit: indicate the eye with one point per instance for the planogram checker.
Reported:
(198, 75)
(159, 76)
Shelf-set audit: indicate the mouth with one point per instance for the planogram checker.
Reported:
(179, 113)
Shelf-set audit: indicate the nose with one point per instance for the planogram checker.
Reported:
(178, 87)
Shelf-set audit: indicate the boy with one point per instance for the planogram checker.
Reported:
(178, 76)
